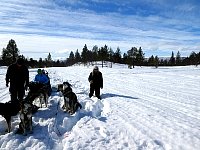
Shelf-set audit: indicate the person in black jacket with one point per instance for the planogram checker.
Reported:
(96, 82)
(18, 76)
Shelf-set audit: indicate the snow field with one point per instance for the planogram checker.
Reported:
(142, 108)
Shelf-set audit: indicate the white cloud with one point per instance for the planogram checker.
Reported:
(43, 26)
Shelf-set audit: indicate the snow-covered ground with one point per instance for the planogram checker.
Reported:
(142, 109)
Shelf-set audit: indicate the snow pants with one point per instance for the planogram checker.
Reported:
(96, 89)
(16, 93)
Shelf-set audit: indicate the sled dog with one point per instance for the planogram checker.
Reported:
(38, 90)
(71, 103)
(7, 110)
(26, 118)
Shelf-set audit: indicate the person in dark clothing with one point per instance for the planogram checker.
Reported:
(96, 82)
(18, 76)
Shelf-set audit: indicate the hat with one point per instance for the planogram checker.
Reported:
(96, 68)
(39, 71)
(20, 61)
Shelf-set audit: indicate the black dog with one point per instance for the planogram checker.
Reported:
(38, 90)
(60, 88)
(7, 110)
(71, 103)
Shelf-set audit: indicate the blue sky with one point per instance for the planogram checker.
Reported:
(40, 27)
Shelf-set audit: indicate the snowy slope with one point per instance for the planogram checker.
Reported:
(142, 109)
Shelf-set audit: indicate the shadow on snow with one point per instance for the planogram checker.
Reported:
(107, 95)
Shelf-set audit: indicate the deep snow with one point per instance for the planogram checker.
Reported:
(142, 109)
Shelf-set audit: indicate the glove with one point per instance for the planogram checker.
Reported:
(91, 82)
(6, 84)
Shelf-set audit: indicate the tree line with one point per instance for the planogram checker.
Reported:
(133, 57)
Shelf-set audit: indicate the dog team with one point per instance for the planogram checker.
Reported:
(17, 79)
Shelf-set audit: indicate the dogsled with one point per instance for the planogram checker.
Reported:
(39, 90)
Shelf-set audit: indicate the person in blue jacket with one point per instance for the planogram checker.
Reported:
(41, 78)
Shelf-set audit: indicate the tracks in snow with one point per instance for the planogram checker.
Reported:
(161, 118)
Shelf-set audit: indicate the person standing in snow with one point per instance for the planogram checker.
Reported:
(18, 76)
(96, 82)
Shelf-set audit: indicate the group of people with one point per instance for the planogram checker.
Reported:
(18, 77)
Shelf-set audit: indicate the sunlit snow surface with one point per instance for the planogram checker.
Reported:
(141, 109)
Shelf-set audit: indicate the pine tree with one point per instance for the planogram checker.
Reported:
(198, 58)
(48, 60)
(151, 61)
(111, 55)
(132, 55)
(10, 53)
(178, 58)
(84, 55)
(71, 59)
(49, 57)
(40, 63)
(103, 54)
(125, 59)
(193, 59)
(32, 63)
(172, 59)
(117, 56)
(140, 57)
(77, 56)
(156, 61)
(95, 53)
